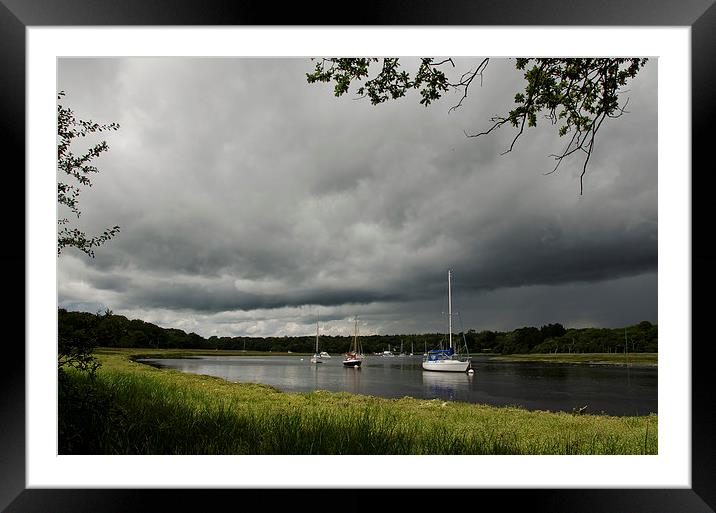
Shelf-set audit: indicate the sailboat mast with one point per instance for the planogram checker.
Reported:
(355, 337)
(317, 318)
(450, 307)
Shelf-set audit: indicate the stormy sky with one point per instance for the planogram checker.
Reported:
(250, 202)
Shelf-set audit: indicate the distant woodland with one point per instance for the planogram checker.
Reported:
(109, 330)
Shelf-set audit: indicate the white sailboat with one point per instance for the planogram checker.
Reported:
(316, 358)
(354, 356)
(447, 360)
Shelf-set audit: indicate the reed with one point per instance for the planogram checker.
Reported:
(131, 408)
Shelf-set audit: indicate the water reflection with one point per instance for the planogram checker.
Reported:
(446, 385)
(555, 387)
(404, 363)
(530, 371)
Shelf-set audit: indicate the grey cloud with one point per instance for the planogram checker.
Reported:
(233, 171)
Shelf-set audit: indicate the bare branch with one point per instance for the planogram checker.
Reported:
(449, 59)
(498, 122)
(465, 82)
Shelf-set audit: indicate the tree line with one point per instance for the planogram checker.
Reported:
(108, 330)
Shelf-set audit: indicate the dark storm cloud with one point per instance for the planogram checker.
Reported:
(218, 298)
(238, 187)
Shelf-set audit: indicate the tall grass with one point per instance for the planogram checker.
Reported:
(136, 409)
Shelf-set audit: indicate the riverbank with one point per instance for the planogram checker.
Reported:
(632, 359)
(138, 409)
(189, 353)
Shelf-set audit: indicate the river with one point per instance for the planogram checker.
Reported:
(603, 389)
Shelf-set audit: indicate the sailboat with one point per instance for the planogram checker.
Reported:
(447, 360)
(354, 356)
(316, 358)
(402, 353)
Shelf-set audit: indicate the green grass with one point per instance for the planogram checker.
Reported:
(188, 353)
(649, 359)
(132, 408)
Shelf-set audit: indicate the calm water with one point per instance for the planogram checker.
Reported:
(535, 386)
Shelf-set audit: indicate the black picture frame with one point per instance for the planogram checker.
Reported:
(17, 15)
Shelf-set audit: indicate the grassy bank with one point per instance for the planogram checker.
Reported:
(132, 408)
(648, 359)
(188, 353)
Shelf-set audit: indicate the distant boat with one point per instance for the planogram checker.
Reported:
(354, 356)
(402, 353)
(324, 355)
(388, 354)
(316, 358)
(447, 360)
(412, 349)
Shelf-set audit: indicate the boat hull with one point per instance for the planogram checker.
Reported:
(447, 365)
(352, 363)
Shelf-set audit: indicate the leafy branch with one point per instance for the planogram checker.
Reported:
(576, 95)
(69, 128)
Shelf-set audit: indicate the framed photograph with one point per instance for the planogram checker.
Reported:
(86, 45)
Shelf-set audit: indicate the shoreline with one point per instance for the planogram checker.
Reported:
(158, 411)
(648, 360)
(635, 359)
(135, 357)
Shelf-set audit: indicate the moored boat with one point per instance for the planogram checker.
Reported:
(316, 358)
(354, 356)
(447, 360)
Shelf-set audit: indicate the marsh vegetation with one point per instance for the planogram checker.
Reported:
(131, 408)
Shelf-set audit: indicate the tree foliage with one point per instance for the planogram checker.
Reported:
(77, 339)
(109, 330)
(574, 95)
(77, 167)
